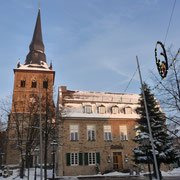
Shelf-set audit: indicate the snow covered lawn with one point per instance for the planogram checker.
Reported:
(174, 172)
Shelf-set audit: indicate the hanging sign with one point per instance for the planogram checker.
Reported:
(161, 59)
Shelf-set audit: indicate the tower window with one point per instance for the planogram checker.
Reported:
(45, 84)
(34, 83)
(23, 83)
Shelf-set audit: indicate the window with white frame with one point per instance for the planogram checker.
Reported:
(107, 133)
(115, 109)
(101, 109)
(128, 110)
(74, 158)
(88, 109)
(92, 158)
(123, 133)
(91, 133)
(137, 130)
(74, 133)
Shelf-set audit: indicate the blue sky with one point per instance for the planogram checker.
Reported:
(92, 43)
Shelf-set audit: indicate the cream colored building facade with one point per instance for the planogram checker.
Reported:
(95, 130)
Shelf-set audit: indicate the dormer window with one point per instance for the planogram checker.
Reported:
(115, 110)
(34, 83)
(45, 84)
(23, 83)
(128, 110)
(101, 109)
(88, 109)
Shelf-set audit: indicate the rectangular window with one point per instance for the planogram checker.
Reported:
(128, 110)
(92, 158)
(115, 110)
(123, 133)
(74, 133)
(107, 133)
(74, 159)
(33, 84)
(88, 109)
(137, 130)
(91, 133)
(23, 83)
(101, 109)
(45, 84)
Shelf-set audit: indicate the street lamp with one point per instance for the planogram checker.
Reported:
(146, 143)
(54, 145)
(2, 154)
(36, 151)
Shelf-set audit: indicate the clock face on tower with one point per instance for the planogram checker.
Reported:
(161, 59)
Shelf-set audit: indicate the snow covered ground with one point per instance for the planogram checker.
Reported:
(15, 175)
(174, 172)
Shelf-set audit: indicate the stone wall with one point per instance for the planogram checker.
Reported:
(106, 149)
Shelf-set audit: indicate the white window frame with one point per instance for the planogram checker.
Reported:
(123, 132)
(91, 132)
(74, 159)
(88, 109)
(137, 131)
(74, 132)
(92, 158)
(107, 133)
(102, 109)
(115, 110)
(128, 110)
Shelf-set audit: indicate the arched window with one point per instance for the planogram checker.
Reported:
(88, 109)
(115, 109)
(45, 84)
(128, 110)
(34, 82)
(101, 109)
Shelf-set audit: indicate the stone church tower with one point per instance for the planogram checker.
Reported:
(30, 78)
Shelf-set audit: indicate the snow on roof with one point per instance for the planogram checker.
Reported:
(43, 67)
(73, 104)
(88, 96)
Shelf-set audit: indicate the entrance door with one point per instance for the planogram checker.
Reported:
(117, 160)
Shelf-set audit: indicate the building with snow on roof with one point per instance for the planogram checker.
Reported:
(95, 131)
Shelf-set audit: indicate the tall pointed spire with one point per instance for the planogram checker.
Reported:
(36, 53)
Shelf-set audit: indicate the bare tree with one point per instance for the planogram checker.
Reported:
(168, 93)
(168, 90)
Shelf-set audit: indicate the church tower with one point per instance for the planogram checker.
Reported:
(30, 78)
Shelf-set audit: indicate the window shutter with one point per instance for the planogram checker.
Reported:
(80, 159)
(86, 158)
(68, 159)
(98, 158)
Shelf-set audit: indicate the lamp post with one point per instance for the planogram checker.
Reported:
(36, 151)
(2, 154)
(54, 145)
(146, 143)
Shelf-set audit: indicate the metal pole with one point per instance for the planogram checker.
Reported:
(148, 122)
(40, 126)
(35, 167)
(53, 163)
(149, 168)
